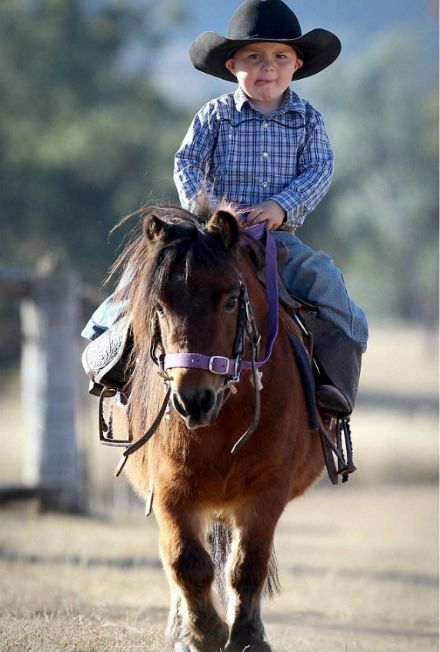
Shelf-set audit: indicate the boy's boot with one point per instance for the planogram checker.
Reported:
(339, 359)
(105, 359)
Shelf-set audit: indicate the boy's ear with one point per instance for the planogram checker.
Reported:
(298, 64)
(230, 65)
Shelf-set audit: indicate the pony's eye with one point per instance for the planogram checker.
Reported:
(231, 304)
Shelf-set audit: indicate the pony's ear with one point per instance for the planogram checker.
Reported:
(154, 227)
(224, 225)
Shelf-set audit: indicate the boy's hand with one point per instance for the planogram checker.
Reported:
(270, 212)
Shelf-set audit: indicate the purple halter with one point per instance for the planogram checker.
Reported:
(222, 365)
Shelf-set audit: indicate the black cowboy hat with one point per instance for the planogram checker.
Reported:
(257, 21)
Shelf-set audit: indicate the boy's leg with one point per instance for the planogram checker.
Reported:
(340, 330)
(109, 312)
(106, 314)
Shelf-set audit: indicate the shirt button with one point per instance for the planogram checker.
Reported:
(264, 184)
(265, 125)
(265, 154)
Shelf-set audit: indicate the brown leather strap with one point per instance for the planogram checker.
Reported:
(143, 440)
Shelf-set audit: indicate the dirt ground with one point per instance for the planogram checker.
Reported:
(358, 568)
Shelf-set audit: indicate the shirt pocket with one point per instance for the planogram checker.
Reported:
(286, 141)
(223, 149)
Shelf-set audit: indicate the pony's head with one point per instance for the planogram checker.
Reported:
(184, 297)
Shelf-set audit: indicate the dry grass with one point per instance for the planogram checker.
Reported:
(358, 568)
(402, 360)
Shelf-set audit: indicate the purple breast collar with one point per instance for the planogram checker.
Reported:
(222, 365)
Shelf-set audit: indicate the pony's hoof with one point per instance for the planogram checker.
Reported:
(181, 647)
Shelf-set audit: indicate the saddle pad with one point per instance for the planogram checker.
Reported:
(302, 352)
(305, 369)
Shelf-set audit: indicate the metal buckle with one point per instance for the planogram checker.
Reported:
(212, 362)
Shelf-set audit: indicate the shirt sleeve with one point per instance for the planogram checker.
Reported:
(193, 159)
(315, 172)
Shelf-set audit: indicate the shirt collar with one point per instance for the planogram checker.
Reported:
(291, 102)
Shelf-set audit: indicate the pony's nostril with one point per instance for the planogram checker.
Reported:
(207, 400)
(197, 406)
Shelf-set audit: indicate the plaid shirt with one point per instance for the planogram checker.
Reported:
(233, 152)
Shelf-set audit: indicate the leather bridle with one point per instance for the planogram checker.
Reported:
(231, 368)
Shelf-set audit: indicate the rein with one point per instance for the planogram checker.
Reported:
(217, 364)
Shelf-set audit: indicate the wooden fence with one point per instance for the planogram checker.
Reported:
(50, 300)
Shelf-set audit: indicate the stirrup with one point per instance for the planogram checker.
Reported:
(106, 428)
(336, 442)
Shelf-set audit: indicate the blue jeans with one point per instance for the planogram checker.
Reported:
(308, 274)
(312, 275)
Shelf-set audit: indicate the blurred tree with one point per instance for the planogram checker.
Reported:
(380, 219)
(84, 138)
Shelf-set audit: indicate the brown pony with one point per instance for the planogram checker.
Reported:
(184, 295)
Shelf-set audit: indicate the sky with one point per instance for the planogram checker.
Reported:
(357, 23)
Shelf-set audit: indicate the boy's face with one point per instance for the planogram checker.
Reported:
(264, 72)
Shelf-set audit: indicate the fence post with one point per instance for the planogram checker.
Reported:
(50, 318)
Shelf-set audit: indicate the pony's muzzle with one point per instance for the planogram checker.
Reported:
(196, 407)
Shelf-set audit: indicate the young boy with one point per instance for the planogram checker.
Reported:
(265, 148)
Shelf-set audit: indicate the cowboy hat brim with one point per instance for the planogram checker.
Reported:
(209, 52)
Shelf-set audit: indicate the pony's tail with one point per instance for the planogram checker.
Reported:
(273, 586)
(219, 540)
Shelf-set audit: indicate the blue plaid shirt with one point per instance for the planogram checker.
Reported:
(233, 152)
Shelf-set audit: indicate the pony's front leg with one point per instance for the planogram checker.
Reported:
(194, 623)
(247, 571)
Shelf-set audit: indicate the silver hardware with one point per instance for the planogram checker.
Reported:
(223, 360)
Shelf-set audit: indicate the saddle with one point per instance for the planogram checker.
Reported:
(105, 359)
